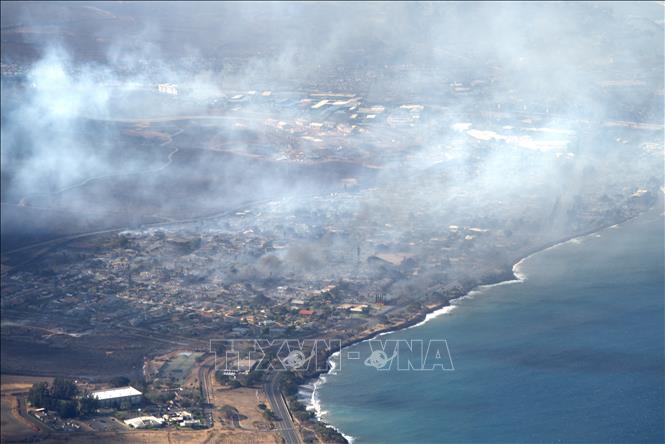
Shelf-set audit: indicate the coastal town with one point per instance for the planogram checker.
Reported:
(326, 209)
(333, 266)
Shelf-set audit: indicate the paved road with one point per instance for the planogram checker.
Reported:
(285, 425)
(206, 372)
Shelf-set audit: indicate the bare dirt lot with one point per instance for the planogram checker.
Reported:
(246, 401)
(173, 437)
(14, 426)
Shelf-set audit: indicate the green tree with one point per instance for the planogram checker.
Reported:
(88, 404)
(63, 389)
(39, 395)
(67, 409)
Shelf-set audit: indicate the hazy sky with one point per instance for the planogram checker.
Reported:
(94, 60)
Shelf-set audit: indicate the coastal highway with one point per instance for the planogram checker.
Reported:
(205, 372)
(285, 425)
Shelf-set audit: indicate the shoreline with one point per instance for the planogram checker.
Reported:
(513, 276)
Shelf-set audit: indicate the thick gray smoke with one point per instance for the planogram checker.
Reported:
(88, 141)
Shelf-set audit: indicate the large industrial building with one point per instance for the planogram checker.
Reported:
(118, 397)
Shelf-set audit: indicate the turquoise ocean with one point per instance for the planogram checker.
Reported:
(570, 353)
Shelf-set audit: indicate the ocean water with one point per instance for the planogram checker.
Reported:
(573, 353)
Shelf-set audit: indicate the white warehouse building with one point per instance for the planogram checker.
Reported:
(118, 397)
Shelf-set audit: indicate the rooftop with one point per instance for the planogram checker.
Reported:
(120, 392)
(143, 422)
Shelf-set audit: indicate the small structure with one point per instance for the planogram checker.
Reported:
(144, 422)
(190, 423)
(361, 308)
(305, 312)
(168, 88)
(179, 417)
(354, 308)
(185, 415)
(118, 397)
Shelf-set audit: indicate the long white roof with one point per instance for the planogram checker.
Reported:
(120, 392)
(144, 422)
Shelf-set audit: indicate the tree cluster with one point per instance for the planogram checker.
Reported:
(63, 397)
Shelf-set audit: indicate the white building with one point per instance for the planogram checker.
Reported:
(144, 422)
(168, 88)
(118, 397)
